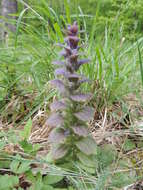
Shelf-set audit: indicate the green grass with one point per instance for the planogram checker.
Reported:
(115, 71)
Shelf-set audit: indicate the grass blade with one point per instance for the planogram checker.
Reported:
(67, 9)
(140, 62)
(18, 25)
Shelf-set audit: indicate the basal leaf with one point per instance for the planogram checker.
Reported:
(24, 166)
(30, 176)
(59, 152)
(52, 179)
(14, 166)
(8, 182)
(47, 187)
(38, 185)
(85, 168)
(19, 167)
(87, 146)
(87, 160)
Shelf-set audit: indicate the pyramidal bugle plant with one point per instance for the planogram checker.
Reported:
(70, 138)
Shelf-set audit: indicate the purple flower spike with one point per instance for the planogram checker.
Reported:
(70, 136)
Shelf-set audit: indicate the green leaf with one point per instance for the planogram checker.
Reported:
(30, 176)
(2, 134)
(52, 179)
(121, 180)
(87, 160)
(129, 145)
(7, 181)
(39, 177)
(49, 157)
(87, 146)
(36, 147)
(140, 144)
(24, 166)
(27, 130)
(47, 187)
(19, 188)
(19, 167)
(28, 147)
(90, 170)
(14, 166)
(13, 137)
(140, 61)
(69, 188)
(37, 186)
(106, 155)
(4, 163)
(2, 144)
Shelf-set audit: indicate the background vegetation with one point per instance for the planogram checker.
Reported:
(113, 41)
